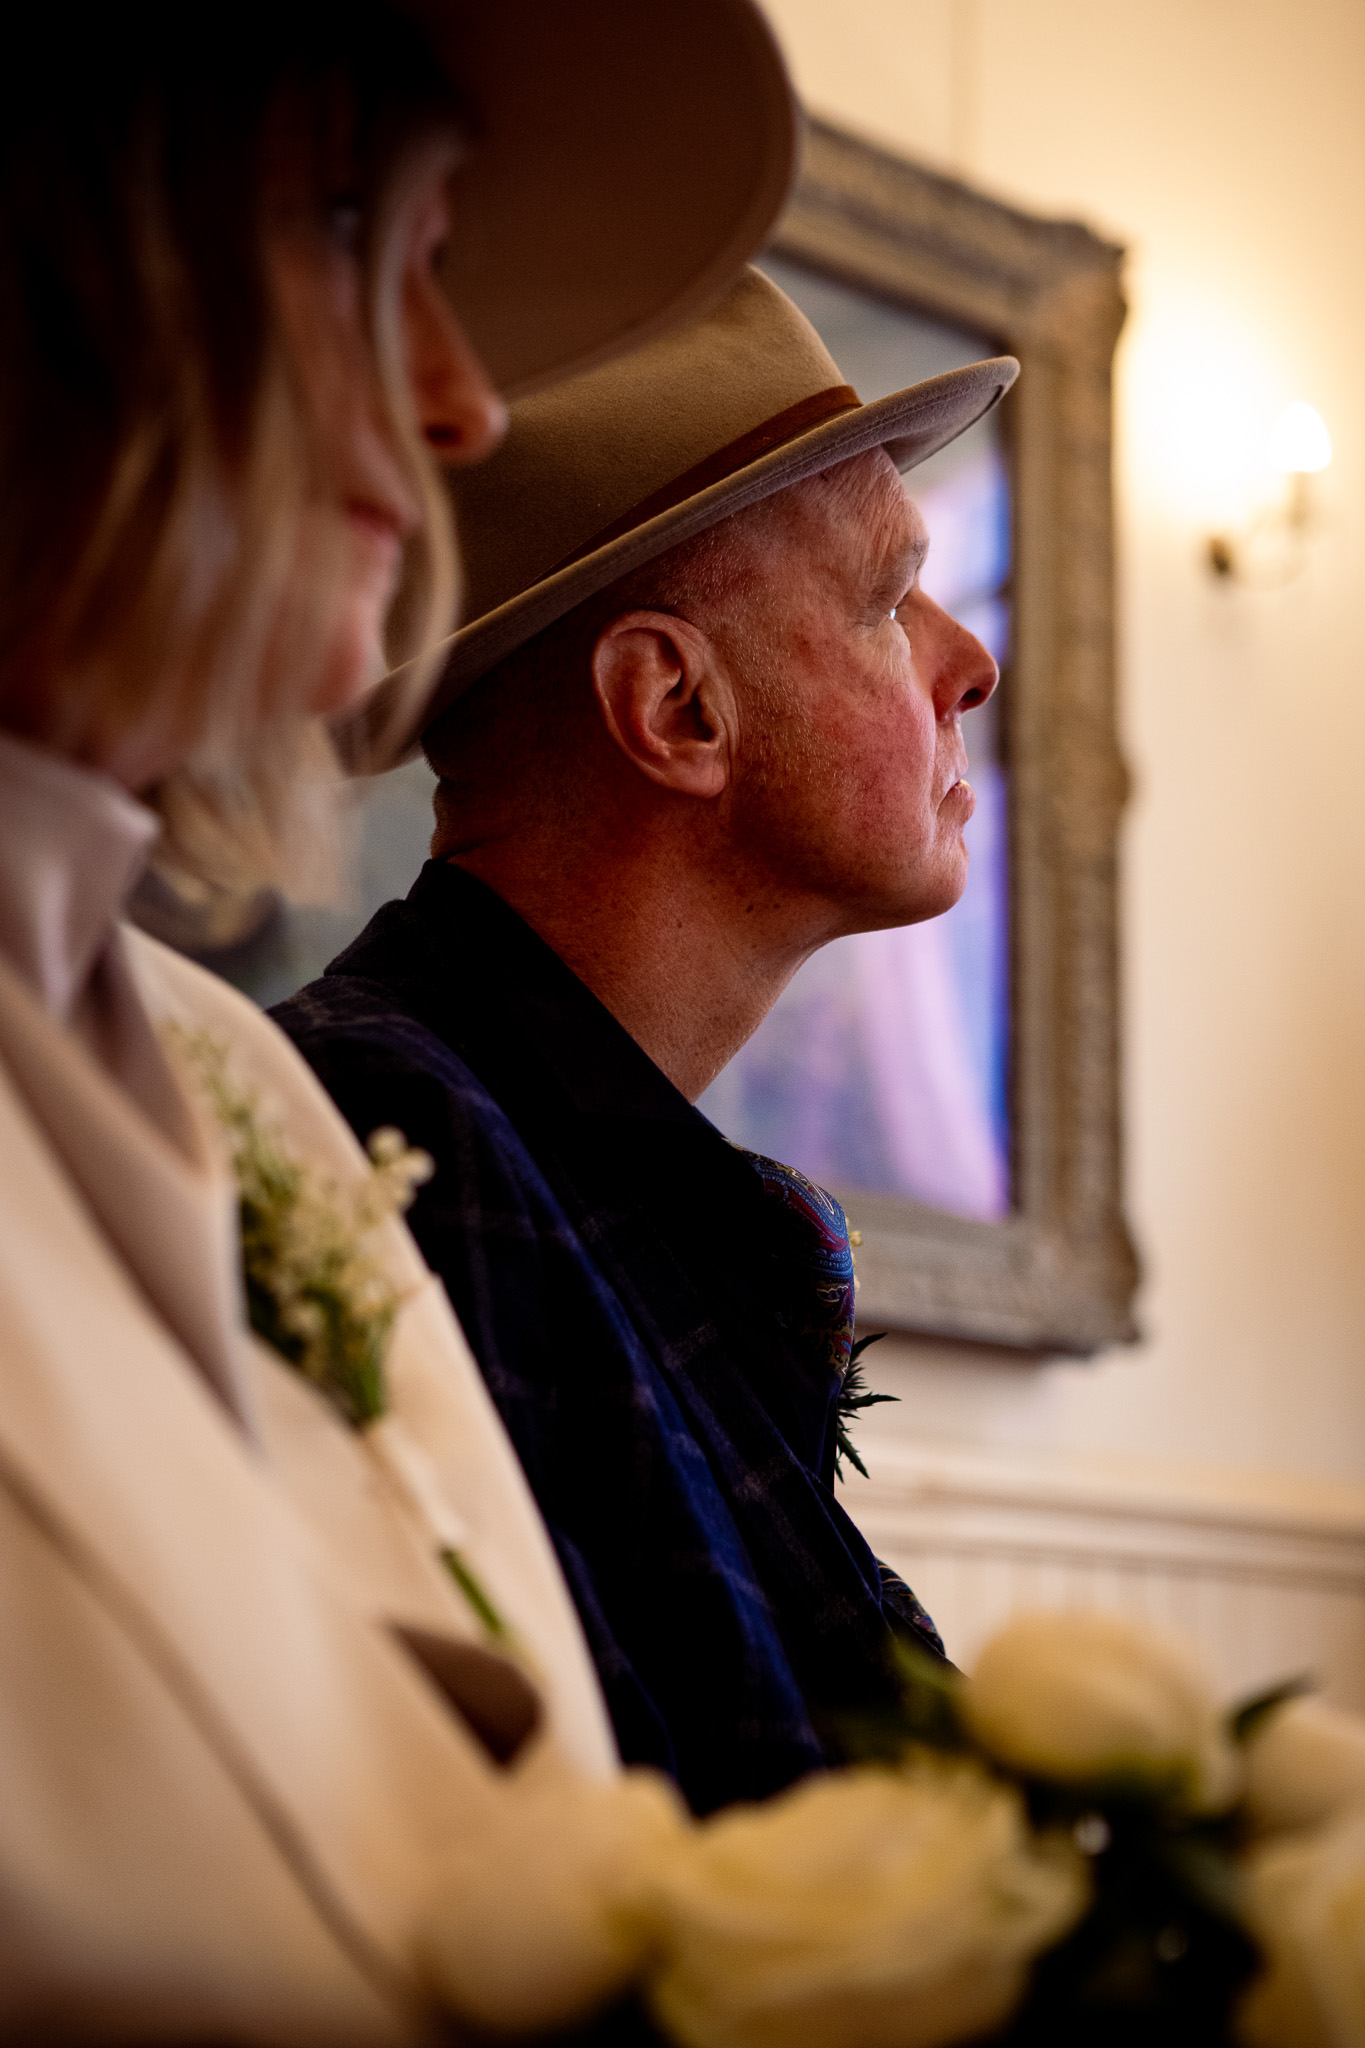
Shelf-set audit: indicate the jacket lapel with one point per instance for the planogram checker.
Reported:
(162, 1504)
(436, 1389)
(170, 1212)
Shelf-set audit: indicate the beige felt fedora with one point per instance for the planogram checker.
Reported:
(628, 156)
(609, 469)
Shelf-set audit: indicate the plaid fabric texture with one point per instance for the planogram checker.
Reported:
(650, 1325)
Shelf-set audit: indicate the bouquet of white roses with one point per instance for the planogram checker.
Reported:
(1225, 1847)
(1075, 1846)
(1095, 1749)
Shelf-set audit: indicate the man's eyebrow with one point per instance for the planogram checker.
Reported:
(899, 570)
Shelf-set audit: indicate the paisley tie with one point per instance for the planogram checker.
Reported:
(820, 1230)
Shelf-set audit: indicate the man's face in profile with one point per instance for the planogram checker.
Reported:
(855, 777)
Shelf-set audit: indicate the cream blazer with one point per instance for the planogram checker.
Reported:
(223, 1785)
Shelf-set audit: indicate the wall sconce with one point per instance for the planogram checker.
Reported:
(1272, 549)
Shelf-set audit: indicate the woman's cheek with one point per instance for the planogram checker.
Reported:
(354, 661)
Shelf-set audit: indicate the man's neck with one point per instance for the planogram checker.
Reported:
(688, 967)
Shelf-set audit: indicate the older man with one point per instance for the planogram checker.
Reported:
(703, 721)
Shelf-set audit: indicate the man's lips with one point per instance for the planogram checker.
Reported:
(959, 795)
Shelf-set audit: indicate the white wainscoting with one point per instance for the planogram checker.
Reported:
(1267, 1578)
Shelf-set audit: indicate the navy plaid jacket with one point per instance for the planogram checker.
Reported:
(639, 1308)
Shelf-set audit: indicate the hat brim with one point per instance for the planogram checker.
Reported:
(911, 425)
(626, 161)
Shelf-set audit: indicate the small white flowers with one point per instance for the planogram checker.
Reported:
(314, 1293)
(399, 1170)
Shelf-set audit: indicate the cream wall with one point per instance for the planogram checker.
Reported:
(1223, 141)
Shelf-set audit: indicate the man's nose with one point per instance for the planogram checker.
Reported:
(966, 673)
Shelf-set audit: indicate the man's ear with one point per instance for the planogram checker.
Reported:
(666, 700)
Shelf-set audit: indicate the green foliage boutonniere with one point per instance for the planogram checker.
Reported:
(314, 1294)
(318, 1297)
(854, 1396)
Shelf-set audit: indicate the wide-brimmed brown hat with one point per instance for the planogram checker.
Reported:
(628, 156)
(610, 469)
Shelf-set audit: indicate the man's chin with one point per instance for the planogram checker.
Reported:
(912, 905)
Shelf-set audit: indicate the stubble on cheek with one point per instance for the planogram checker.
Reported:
(817, 792)
(798, 795)
(847, 792)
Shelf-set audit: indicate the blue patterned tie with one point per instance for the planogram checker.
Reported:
(822, 1231)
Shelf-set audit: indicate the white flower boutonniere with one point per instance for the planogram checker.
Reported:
(318, 1296)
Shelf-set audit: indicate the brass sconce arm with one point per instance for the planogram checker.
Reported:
(1273, 547)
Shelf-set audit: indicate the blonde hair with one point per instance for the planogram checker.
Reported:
(156, 447)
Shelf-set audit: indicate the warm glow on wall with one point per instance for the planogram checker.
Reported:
(1213, 443)
(1272, 546)
(1299, 442)
(1198, 397)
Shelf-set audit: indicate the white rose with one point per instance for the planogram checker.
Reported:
(1306, 1906)
(535, 1923)
(866, 1909)
(1304, 1765)
(1079, 1695)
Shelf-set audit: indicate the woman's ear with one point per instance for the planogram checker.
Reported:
(666, 701)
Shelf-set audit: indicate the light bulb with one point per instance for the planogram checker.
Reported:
(1299, 442)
